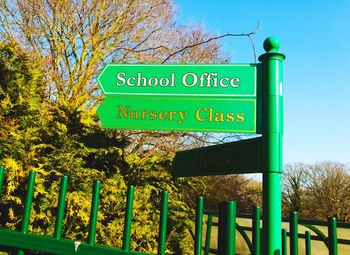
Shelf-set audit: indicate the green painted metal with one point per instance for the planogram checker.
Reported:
(2, 173)
(318, 233)
(293, 229)
(227, 228)
(205, 114)
(284, 242)
(307, 243)
(205, 98)
(256, 230)
(94, 212)
(199, 226)
(208, 234)
(28, 201)
(235, 80)
(163, 223)
(229, 158)
(51, 245)
(27, 205)
(272, 132)
(271, 214)
(332, 236)
(55, 245)
(128, 218)
(245, 237)
(61, 207)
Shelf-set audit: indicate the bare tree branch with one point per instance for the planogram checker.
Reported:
(249, 35)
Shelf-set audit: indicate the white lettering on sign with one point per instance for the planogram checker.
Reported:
(189, 80)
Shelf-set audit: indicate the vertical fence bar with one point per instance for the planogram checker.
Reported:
(60, 208)
(2, 171)
(163, 223)
(256, 230)
(27, 205)
(332, 236)
(227, 228)
(284, 242)
(199, 226)
(208, 234)
(293, 230)
(307, 243)
(128, 218)
(94, 212)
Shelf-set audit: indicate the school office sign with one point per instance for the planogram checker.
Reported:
(207, 98)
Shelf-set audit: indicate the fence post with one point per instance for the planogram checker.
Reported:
(128, 218)
(199, 226)
(284, 242)
(332, 236)
(2, 171)
(163, 224)
(27, 205)
(208, 234)
(256, 230)
(227, 228)
(60, 208)
(94, 212)
(293, 230)
(307, 243)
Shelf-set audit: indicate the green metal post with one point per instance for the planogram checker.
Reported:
(332, 236)
(272, 132)
(163, 224)
(199, 226)
(2, 171)
(61, 206)
(256, 230)
(27, 205)
(293, 230)
(208, 234)
(128, 219)
(227, 228)
(307, 243)
(284, 242)
(94, 212)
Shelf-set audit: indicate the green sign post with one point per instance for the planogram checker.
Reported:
(209, 98)
(272, 132)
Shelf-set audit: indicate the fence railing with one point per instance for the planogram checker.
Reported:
(225, 220)
(22, 240)
(252, 234)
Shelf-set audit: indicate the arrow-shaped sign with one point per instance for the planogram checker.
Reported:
(239, 157)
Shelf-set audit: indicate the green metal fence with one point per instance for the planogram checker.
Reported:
(22, 240)
(225, 221)
(252, 234)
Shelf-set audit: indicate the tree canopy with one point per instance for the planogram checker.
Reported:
(318, 191)
(50, 54)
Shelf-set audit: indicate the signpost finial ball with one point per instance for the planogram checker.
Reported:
(272, 44)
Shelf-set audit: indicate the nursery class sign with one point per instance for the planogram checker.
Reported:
(206, 98)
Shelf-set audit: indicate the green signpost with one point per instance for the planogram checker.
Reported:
(209, 98)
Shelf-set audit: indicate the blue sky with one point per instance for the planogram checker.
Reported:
(315, 36)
